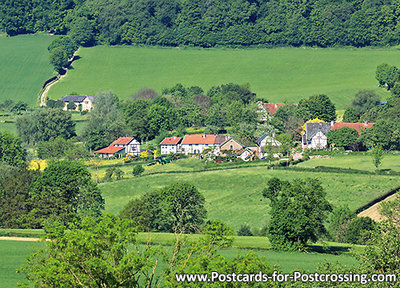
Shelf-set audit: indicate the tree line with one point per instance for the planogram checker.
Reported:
(208, 23)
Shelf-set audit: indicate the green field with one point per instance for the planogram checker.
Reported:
(14, 253)
(235, 195)
(355, 161)
(24, 66)
(281, 74)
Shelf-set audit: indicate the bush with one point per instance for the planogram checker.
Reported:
(244, 230)
(137, 170)
(359, 231)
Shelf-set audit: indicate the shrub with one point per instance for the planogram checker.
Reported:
(137, 170)
(244, 230)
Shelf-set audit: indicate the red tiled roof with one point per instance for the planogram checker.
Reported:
(357, 126)
(171, 141)
(272, 107)
(109, 150)
(199, 139)
(122, 141)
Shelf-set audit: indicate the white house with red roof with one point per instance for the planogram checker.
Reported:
(196, 143)
(123, 145)
(171, 145)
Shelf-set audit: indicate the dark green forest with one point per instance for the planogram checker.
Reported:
(209, 23)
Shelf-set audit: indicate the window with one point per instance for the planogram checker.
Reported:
(231, 147)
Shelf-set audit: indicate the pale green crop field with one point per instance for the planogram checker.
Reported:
(235, 195)
(278, 75)
(24, 66)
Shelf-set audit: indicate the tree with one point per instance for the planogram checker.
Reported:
(386, 75)
(15, 196)
(42, 125)
(343, 137)
(58, 58)
(11, 150)
(377, 156)
(93, 253)
(178, 207)
(19, 107)
(317, 106)
(384, 133)
(66, 43)
(137, 170)
(64, 192)
(82, 32)
(298, 210)
(350, 116)
(364, 100)
(359, 230)
(244, 230)
(106, 123)
(339, 220)
(105, 252)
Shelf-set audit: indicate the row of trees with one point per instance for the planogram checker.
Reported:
(208, 24)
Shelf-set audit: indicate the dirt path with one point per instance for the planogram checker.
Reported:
(373, 211)
(27, 239)
(46, 90)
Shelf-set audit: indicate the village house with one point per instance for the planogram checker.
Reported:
(263, 141)
(84, 101)
(171, 145)
(267, 109)
(121, 146)
(230, 145)
(315, 135)
(247, 154)
(196, 143)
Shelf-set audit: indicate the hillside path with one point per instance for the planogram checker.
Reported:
(373, 211)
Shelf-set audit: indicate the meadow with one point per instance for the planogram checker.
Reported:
(24, 67)
(277, 75)
(14, 253)
(360, 161)
(235, 195)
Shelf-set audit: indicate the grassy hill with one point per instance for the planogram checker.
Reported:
(281, 74)
(235, 195)
(355, 161)
(24, 66)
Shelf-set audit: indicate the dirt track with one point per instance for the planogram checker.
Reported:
(373, 211)
(27, 239)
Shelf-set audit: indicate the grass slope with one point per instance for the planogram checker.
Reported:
(12, 255)
(24, 66)
(355, 161)
(235, 195)
(281, 74)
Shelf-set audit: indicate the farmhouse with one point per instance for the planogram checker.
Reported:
(358, 126)
(123, 145)
(230, 145)
(84, 101)
(196, 143)
(315, 135)
(171, 145)
(246, 154)
(264, 140)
